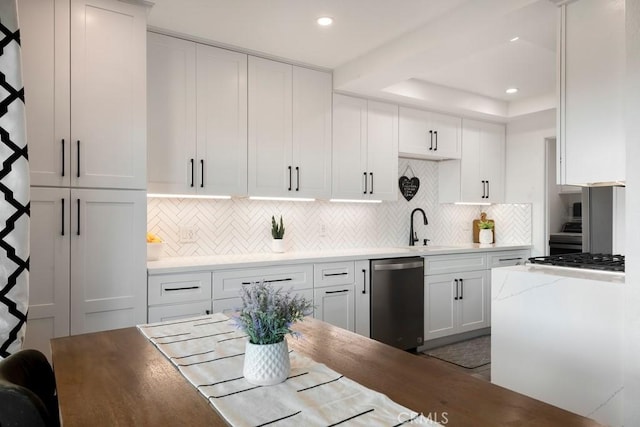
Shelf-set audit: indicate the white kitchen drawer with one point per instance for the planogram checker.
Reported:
(230, 305)
(165, 313)
(178, 288)
(441, 264)
(333, 273)
(227, 283)
(507, 258)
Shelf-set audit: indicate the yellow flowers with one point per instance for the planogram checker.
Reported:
(152, 238)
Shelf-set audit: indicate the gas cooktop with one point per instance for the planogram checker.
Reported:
(603, 262)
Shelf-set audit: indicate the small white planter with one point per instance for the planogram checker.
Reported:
(486, 236)
(266, 364)
(277, 245)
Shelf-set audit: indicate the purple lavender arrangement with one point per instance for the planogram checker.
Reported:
(268, 313)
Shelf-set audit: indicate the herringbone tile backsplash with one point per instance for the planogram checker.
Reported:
(239, 226)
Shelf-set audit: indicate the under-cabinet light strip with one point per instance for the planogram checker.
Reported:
(187, 196)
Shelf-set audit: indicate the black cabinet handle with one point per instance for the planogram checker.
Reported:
(78, 159)
(201, 173)
(435, 132)
(371, 173)
(431, 139)
(365, 183)
(186, 288)
(62, 156)
(461, 289)
(207, 311)
(297, 178)
(456, 280)
(488, 192)
(484, 189)
(510, 259)
(341, 291)
(286, 279)
(364, 281)
(289, 167)
(78, 207)
(192, 171)
(62, 233)
(335, 274)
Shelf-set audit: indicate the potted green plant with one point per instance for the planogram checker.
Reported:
(266, 317)
(277, 232)
(486, 229)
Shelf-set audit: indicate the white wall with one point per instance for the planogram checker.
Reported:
(525, 174)
(632, 201)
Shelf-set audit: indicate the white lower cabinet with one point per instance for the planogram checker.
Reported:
(87, 262)
(179, 311)
(336, 305)
(455, 303)
(176, 296)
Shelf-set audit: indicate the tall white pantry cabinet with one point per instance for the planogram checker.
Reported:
(84, 68)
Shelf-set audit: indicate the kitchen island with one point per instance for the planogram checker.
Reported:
(118, 378)
(557, 336)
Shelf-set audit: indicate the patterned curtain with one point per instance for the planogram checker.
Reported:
(14, 188)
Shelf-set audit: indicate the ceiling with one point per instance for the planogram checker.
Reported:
(450, 55)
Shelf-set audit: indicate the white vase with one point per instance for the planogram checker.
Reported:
(266, 364)
(486, 236)
(277, 245)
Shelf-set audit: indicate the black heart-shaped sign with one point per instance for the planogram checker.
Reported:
(409, 186)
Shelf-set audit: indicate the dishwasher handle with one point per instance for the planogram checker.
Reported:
(399, 266)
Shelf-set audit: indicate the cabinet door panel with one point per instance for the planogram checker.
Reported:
(172, 114)
(592, 134)
(382, 150)
(447, 140)
(363, 298)
(492, 160)
(108, 94)
(270, 131)
(49, 271)
(222, 121)
(414, 137)
(440, 311)
(108, 260)
(472, 308)
(336, 305)
(44, 35)
(472, 187)
(311, 133)
(349, 147)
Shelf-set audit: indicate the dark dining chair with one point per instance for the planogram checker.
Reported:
(27, 391)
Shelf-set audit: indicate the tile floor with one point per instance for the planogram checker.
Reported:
(481, 372)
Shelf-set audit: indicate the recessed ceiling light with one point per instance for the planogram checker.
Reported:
(512, 90)
(324, 21)
(515, 39)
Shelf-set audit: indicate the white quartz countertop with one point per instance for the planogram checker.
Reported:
(218, 262)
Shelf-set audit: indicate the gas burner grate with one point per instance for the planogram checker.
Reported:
(606, 262)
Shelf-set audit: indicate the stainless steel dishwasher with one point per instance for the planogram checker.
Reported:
(397, 301)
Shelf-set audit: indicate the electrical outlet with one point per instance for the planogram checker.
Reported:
(187, 234)
(323, 230)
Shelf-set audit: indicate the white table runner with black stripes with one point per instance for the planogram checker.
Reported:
(209, 352)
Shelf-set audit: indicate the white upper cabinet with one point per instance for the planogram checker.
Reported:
(427, 135)
(44, 33)
(365, 149)
(171, 82)
(197, 118)
(289, 130)
(591, 134)
(221, 77)
(312, 133)
(478, 177)
(108, 94)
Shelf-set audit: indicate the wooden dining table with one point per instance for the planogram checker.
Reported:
(119, 378)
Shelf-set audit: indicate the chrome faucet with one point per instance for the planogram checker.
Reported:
(413, 236)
